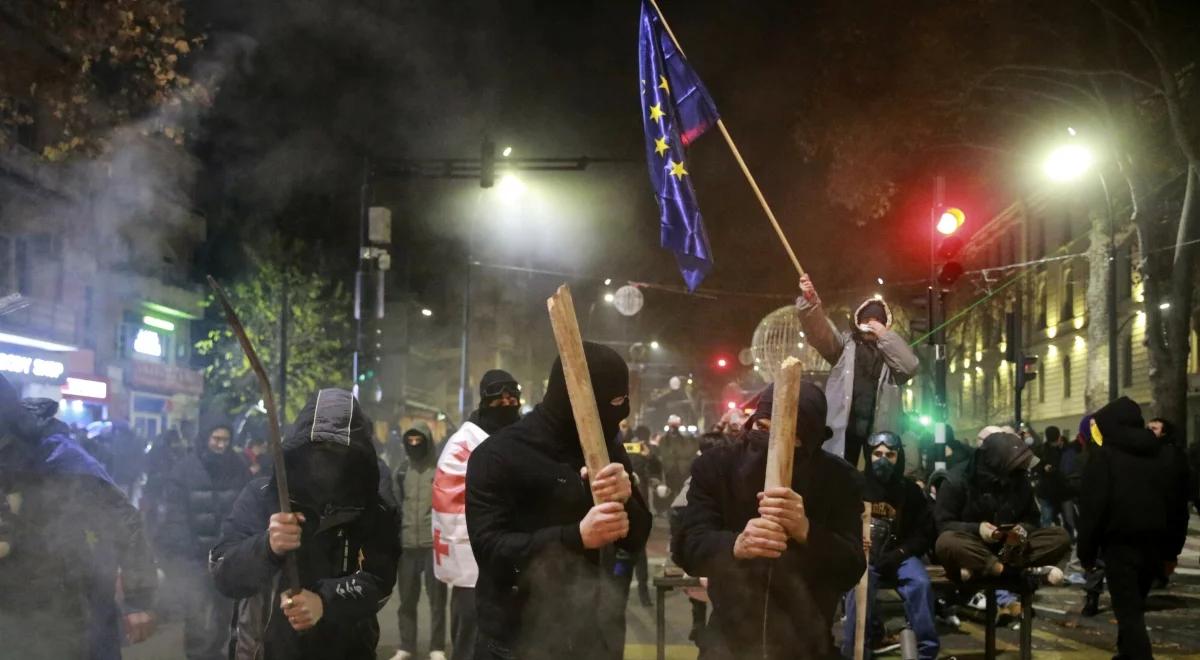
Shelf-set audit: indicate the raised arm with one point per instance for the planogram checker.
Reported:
(819, 331)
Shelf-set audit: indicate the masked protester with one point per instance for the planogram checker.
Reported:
(198, 494)
(69, 534)
(413, 488)
(1133, 509)
(343, 536)
(776, 561)
(870, 362)
(987, 519)
(548, 587)
(499, 407)
(676, 451)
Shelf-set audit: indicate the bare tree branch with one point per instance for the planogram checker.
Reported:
(1046, 96)
(1067, 71)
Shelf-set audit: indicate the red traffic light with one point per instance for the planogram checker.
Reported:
(722, 363)
(950, 220)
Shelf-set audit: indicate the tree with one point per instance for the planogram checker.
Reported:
(86, 67)
(318, 332)
(1120, 70)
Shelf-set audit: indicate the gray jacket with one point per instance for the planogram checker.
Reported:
(900, 364)
(413, 488)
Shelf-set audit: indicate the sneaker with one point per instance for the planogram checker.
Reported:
(402, 655)
(978, 601)
(437, 655)
(950, 620)
(1051, 575)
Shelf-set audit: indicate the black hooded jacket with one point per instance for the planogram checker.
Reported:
(539, 592)
(988, 488)
(1134, 489)
(197, 495)
(348, 549)
(797, 593)
(899, 503)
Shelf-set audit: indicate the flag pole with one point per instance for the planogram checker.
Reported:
(737, 155)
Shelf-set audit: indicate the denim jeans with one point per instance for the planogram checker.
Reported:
(912, 583)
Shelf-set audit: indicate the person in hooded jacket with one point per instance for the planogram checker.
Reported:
(548, 587)
(1133, 509)
(869, 364)
(987, 519)
(343, 537)
(198, 495)
(675, 453)
(70, 536)
(901, 534)
(778, 560)
(647, 476)
(499, 407)
(413, 488)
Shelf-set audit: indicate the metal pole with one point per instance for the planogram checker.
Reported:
(463, 375)
(937, 307)
(1018, 352)
(1111, 298)
(364, 193)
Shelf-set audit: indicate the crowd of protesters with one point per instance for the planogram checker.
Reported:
(502, 525)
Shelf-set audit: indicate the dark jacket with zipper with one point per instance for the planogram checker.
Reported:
(797, 593)
(348, 550)
(197, 496)
(908, 513)
(413, 490)
(983, 490)
(1134, 489)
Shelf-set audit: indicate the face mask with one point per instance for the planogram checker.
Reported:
(417, 451)
(883, 469)
(493, 419)
(611, 416)
(758, 437)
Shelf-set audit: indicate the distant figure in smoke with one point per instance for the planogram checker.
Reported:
(343, 535)
(546, 590)
(68, 532)
(777, 561)
(413, 486)
(869, 362)
(198, 495)
(499, 407)
(675, 451)
(647, 477)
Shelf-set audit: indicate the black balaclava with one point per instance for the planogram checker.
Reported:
(610, 380)
(419, 451)
(492, 419)
(881, 476)
(1121, 425)
(1002, 454)
(810, 418)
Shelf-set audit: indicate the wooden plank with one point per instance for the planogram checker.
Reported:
(579, 380)
(781, 449)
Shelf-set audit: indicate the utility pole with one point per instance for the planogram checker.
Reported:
(1025, 366)
(1110, 302)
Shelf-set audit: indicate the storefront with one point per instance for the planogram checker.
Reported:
(35, 367)
(162, 396)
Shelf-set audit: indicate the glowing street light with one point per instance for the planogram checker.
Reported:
(506, 153)
(1068, 162)
(511, 188)
(654, 345)
(426, 312)
(950, 220)
(609, 298)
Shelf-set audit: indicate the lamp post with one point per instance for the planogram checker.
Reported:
(1068, 163)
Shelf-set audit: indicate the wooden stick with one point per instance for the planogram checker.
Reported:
(737, 155)
(579, 380)
(781, 450)
(860, 591)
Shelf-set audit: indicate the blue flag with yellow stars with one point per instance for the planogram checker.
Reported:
(676, 109)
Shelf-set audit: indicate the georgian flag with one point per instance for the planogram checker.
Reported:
(453, 562)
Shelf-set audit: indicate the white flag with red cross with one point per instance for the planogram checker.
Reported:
(453, 561)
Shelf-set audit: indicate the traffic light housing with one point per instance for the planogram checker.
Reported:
(1027, 371)
(487, 163)
(949, 224)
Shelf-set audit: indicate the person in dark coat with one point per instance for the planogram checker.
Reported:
(647, 474)
(901, 534)
(777, 561)
(675, 453)
(1050, 486)
(69, 535)
(548, 588)
(982, 504)
(197, 496)
(342, 534)
(1133, 509)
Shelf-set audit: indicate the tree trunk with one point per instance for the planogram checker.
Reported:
(1095, 393)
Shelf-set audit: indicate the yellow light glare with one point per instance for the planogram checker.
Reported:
(1052, 351)
(1080, 342)
(1051, 332)
(1079, 323)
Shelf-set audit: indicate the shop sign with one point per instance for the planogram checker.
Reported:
(23, 365)
(165, 378)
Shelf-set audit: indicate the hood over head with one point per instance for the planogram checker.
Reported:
(420, 451)
(1122, 427)
(882, 477)
(1001, 454)
(333, 470)
(610, 382)
(810, 416)
(491, 387)
(873, 308)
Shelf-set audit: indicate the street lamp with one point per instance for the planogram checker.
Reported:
(1069, 162)
(654, 345)
(609, 298)
(426, 312)
(510, 187)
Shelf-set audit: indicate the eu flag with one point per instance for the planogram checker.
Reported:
(676, 109)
